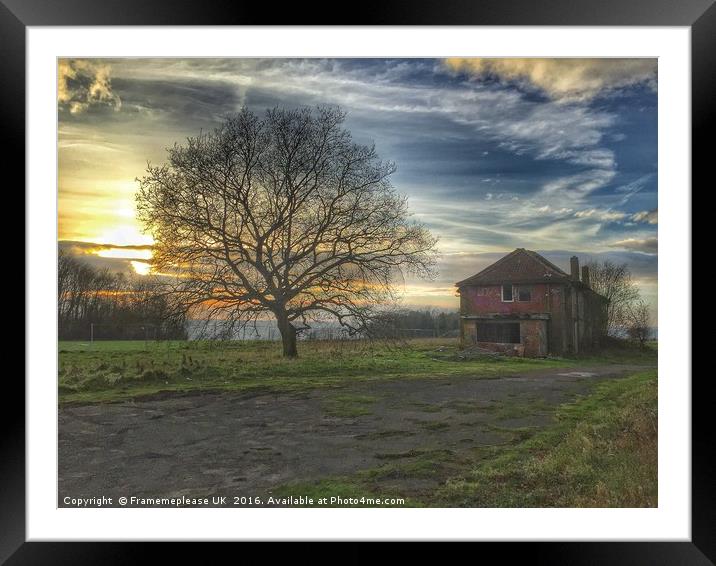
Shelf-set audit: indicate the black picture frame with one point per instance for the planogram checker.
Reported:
(699, 15)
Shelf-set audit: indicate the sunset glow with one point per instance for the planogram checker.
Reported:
(140, 268)
(125, 254)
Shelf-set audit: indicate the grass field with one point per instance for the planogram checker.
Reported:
(116, 370)
(600, 451)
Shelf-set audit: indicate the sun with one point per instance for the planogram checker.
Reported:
(141, 268)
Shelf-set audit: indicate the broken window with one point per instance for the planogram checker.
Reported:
(524, 294)
(507, 293)
(504, 332)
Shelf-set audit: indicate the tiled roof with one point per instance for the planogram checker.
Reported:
(520, 266)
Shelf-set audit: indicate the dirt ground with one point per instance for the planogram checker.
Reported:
(239, 445)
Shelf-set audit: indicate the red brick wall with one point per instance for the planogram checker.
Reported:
(484, 300)
(533, 336)
(566, 306)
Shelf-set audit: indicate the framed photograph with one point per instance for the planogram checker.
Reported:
(397, 279)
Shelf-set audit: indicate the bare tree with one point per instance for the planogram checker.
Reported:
(283, 214)
(637, 322)
(613, 281)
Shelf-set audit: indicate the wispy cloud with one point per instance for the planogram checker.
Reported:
(578, 187)
(631, 189)
(645, 245)
(601, 215)
(648, 216)
(564, 79)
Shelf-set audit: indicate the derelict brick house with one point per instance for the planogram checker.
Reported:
(525, 305)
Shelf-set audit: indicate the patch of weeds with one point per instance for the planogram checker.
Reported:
(515, 408)
(398, 455)
(154, 375)
(420, 464)
(95, 382)
(427, 407)
(516, 434)
(467, 407)
(349, 405)
(434, 425)
(384, 434)
(113, 378)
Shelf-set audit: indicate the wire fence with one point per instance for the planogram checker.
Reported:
(217, 330)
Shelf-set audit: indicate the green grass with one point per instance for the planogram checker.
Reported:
(623, 352)
(349, 405)
(111, 371)
(120, 370)
(600, 451)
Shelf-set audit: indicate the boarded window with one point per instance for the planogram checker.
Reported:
(524, 294)
(507, 293)
(505, 332)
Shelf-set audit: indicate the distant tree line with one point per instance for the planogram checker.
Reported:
(117, 305)
(415, 323)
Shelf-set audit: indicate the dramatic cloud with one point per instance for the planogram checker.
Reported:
(648, 216)
(645, 245)
(490, 159)
(564, 79)
(121, 259)
(82, 83)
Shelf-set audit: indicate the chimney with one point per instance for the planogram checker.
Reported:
(574, 267)
(585, 275)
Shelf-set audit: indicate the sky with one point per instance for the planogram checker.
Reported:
(554, 155)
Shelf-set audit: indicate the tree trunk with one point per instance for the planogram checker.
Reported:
(288, 337)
